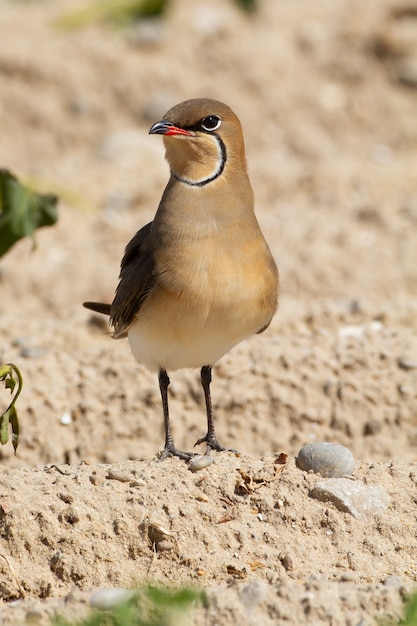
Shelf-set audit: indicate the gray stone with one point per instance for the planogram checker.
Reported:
(352, 496)
(331, 460)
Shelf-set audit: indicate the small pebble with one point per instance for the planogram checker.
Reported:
(350, 331)
(199, 462)
(357, 331)
(352, 496)
(164, 546)
(328, 459)
(106, 599)
(407, 364)
(120, 476)
(96, 479)
(66, 419)
(287, 561)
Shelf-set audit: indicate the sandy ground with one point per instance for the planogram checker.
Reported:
(327, 95)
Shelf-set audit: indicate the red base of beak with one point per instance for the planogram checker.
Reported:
(167, 128)
(174, 130)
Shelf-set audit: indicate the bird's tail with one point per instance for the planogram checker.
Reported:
(98, 307)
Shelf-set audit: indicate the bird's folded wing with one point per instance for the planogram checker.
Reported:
(136, 280)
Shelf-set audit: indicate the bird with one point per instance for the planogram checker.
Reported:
(200, 277)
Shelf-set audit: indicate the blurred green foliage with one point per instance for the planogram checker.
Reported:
(118, 12)
(124, 12)
(410, 618)
(151, 606)
(22, 211)
(410, 614)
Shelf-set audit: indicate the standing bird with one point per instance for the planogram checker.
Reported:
(200, 277)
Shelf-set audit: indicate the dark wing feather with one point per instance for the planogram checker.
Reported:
(136, 280)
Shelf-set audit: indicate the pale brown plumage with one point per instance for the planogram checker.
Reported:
(200, 277)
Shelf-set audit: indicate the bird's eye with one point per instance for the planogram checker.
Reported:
(210, 123)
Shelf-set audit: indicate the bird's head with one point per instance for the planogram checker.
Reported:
(203, 139)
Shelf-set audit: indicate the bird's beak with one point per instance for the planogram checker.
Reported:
(167, 128)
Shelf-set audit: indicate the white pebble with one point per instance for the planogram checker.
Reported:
(106, 599)
(357, 331)
(199, 462)
(351, 331)
(66, 419)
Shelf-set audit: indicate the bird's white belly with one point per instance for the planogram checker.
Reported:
(167, 352)
(173, 336)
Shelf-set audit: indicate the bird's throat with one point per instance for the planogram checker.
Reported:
(198, 161)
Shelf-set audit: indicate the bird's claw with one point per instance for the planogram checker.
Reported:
(171, 450)
(212, 443)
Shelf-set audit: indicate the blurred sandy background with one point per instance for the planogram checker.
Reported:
(327, 96)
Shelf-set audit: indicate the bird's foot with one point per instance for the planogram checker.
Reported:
(212, 443)
(171, 450)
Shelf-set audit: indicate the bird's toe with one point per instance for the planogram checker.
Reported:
(171, 450)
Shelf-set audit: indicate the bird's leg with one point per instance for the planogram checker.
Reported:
(211, 438)
(169, 448)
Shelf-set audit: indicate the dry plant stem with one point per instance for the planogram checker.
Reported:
(10, 566)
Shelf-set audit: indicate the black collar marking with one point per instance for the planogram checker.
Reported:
(205, 181)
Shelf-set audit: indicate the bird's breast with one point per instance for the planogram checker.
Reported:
(211, 292)
(214, 269)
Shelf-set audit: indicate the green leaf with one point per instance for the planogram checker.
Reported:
(14, 423)
(22, 211)
(4, 427)
(5, 371)
(9, 416)
(10, 383)
(121, 12)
